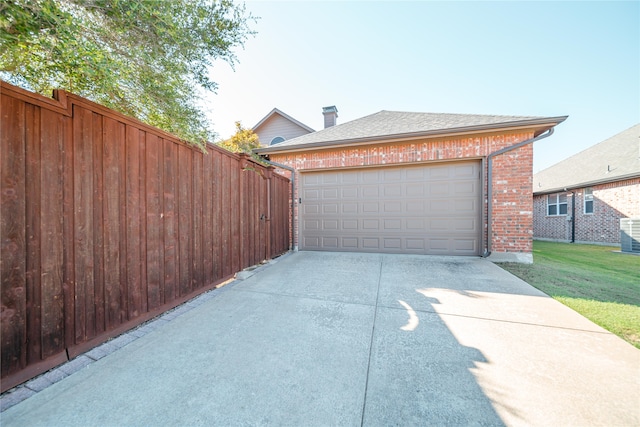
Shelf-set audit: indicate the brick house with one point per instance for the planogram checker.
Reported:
(399, 182)
(582, 199)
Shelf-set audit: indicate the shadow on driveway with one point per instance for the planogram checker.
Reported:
(358, 339)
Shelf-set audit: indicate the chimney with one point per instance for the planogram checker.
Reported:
(330, 116)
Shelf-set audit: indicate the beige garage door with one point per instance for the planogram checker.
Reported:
(422, 209)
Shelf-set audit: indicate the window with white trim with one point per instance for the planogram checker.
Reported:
(588, 200)
(557, 204)
(276, 140)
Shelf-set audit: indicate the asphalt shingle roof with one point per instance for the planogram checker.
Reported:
(397, 124)
(613, 159)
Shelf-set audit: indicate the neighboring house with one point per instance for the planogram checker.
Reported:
(277, 127)
(582, 199)
(398, 182)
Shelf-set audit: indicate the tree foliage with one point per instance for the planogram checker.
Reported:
(146, 58)
(243, 141)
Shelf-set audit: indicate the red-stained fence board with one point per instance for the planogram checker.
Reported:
(106, 222)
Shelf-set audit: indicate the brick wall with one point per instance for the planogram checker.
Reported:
(611, 202)
(549, 227)
(512, 175)
(512, 202)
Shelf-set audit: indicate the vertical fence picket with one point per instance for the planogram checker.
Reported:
(98, 227)
(12, 235)
(197, 261)
(154, 199)
(132, 207)
(83, 226)
(185, 206)
(52, 293)
(33, 235)
(170, 219)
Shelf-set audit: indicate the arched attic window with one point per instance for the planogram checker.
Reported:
(276, 140)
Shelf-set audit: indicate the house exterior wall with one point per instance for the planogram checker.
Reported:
(611, 202)
(512, 226)
(277, 125)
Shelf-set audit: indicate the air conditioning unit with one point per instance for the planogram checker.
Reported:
(630, 235)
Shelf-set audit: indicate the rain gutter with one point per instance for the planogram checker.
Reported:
(490, 157)
(398, 137)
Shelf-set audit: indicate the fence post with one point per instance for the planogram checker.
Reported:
(268, 175)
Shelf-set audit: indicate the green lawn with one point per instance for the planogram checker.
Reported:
(598, 283)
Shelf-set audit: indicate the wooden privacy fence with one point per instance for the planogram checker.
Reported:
(106, 222)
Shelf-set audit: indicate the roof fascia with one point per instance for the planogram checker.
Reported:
(587, 184)
(540, 125)
(286, 116)
(264, 119)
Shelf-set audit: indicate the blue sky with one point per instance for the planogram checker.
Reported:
(580, 59)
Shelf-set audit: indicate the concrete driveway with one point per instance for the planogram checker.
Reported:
(337, 339)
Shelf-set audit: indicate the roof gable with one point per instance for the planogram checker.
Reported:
(613, 159)
(396, 124)
(275, 111)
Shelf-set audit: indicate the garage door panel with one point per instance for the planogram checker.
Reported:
(311, 224)
(465, 205)
(414, 189)
(435, 245)
(311, 194)
(311, 179)
(349, 192)
(393, 224)
(371, 243)
(330, 193)
(350, 243)
(330, 224)
(413, 244)
(311, 242)
(392, 207)
(311, 208)
(464, 188)
(464, 245)
(392, 243)
(369, 191)
(330, 208)
(371, 224)
(350, 224)
(369, 177)
(466, 224)
(415, 207)
(439, 245)
(371, 207)
(465, 171)
(348, 178)
(439, 206)
(394, 190)
(330, 242)
(415, 174)
(427, 209)
(350, 208)
(389, 175)
(329, 179)
(414, 224)
(439, 189)
(439, 172)
(438, 225)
